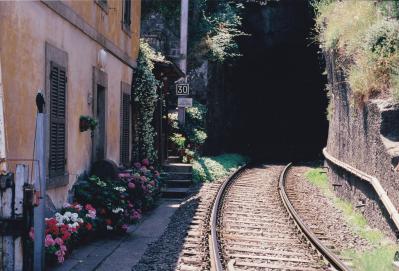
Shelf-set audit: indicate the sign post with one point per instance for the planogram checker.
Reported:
(182, 90)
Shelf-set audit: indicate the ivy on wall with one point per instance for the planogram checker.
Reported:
(145, 96)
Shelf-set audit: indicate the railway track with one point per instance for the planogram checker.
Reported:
(254, 226)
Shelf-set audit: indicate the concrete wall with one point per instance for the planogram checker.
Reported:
(25, 27)
(367, 138)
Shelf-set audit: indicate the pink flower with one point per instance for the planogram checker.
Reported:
(131, 186)
(143, 179)
(63, 248)
(143, 170)
(130, 205)
(89, 207)
(124, 175)
(145, 162)
(91, 214)
(59, 241)
(124, 227)
(137, 165)
(49, 241)
(66, 205)
(60, 255)
(152, 183)
(151, 168)
(78, 207)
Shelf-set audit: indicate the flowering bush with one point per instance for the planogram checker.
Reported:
(109, 197)
(65, 230)
(144, 184)
(101, 206)
(145, 99)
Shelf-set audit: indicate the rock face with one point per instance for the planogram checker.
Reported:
(367, 138)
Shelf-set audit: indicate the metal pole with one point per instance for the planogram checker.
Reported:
(40, 187)
(183, 51)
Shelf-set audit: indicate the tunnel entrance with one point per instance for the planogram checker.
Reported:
(278, 85)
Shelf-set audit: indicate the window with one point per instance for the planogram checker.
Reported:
(56, 108)
(125, 125)
(57, 158)
(126, 20)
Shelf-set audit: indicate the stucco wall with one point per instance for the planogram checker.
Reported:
(109, 24)
(25, 28)
(365, 137)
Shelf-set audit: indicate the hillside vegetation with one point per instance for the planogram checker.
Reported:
(364, 35)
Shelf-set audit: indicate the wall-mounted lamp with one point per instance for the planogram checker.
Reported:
(89, 98)
(102, 59)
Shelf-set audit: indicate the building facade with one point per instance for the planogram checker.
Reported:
(81, 56)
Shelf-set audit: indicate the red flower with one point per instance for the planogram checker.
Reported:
(108, 221)
(65, 235)
(89, 227)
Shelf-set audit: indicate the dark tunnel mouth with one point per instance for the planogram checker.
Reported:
(279, 89)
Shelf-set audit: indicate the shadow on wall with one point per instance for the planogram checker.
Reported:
(278, 85)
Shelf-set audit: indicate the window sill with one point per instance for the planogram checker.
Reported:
(126, 29)
(57, 181)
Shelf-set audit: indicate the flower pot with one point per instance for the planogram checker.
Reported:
(83, 124)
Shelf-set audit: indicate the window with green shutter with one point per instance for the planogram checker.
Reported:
(57, 120)
(125, 125)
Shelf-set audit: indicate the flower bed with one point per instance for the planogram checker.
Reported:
(101, 207)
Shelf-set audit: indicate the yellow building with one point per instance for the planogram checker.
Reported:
(81, 55)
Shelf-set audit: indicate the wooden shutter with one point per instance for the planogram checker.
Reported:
(57, 154)
(125, 128)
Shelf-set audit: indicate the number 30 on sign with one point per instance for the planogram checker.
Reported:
(182, 89)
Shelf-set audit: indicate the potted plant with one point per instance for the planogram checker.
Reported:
(86, 123)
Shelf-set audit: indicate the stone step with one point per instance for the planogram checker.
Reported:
(177, 175)
(179, 183)
(178, 167)
(174, 159)
(175, 192)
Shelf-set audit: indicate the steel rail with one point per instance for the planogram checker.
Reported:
(309, 235)
(216, 255)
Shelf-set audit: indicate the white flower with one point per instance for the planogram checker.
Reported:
(74, 217)
(101, 183)
(120, 189)
(117, 210)
(109, 228)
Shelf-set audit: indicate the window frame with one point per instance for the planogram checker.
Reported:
(103, 5)
(126, 27)
(60, 58)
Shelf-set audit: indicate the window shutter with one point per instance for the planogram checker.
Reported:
(125, 129)
(57, 155)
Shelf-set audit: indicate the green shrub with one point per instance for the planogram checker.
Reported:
(194, 128)
(382, 38)
(342, 24)
(366, 38)
(207, 169)
(179, 140)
